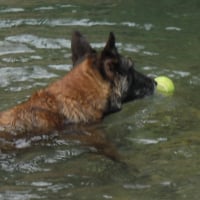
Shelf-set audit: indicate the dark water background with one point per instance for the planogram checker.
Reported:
(158, 135)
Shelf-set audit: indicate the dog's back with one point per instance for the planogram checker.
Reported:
(79, 97)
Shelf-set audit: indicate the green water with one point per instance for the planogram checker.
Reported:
(158, 137)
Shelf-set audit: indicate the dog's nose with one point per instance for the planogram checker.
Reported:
(154, 83)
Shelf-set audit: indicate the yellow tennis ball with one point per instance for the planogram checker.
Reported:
(164, 84)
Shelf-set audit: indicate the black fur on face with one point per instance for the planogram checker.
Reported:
(127, 84)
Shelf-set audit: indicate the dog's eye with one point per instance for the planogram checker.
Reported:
(130, 62)
(127, 63)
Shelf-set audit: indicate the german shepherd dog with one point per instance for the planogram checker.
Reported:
(97, 85)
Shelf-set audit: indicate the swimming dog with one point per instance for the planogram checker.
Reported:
(97, 85)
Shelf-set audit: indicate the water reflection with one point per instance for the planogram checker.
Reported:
(89, 137)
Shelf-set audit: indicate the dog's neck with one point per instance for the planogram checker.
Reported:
(81, 104)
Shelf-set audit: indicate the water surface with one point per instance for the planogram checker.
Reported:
(158, 137)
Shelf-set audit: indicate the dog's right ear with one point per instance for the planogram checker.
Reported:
(109, 58)
(79, 47)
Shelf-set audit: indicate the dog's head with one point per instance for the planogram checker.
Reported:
(126, 83)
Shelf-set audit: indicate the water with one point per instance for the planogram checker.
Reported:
(158, 137)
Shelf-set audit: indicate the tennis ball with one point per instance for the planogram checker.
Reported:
(164, 85)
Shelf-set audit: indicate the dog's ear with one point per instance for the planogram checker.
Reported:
(109, 58)
(110, 45)
(79, 47)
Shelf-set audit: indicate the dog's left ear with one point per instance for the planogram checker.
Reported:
(109, 57)
(79, 47)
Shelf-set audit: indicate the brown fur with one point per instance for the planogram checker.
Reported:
(79, 97)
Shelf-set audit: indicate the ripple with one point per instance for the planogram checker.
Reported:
(8, 163)
(22, 143)
(133, 48)
(147, 141)
(65, 67)
(105, 196)
(149, 53)
(146, 26)
(21, 59)
(67, 6)
(53, 22)
(195, 80)
(181, 73)
(136, 186)
(46, 186)
(12, 10)
(7, 47)
(41, 184)
(54, 43)
(129, 24)
(20, 195)
(45, 8)
(102, 44)
(11, 75)
(173, 28)
(168, 72)
(81, 22)
(39, 42)
(23, 166)
(65, 154)
(8, 23)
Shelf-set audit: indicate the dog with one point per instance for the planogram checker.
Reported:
(98, 84)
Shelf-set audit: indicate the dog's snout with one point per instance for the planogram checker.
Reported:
(153, 84)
